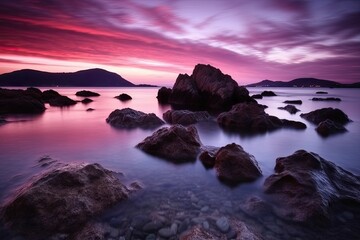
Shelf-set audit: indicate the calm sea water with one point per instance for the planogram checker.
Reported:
(73, 134)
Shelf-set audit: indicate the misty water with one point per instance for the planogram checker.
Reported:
(181, 193)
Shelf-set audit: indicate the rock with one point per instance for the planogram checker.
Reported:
(61, 101)
(255, 206)
(328, 127)
(165, 232)
(85, 93)
(90, 109)
(329, 99)
(223, 224)
(49, 94)
(130, 118)
(185, 117)
(87, 100)
(91, 231)
(293, 102)
(20, 102)
(290, 108)
(243, 232)
(124, 97)
(198, 233)
(2, 121)
(234, 165)
(306, 187)
(152, 226)
(63, 199)
(257, 96)
(321, 92)
(208, 155)
(293, 124)
(163, 95)
(268, 94)
(207, 88)
(176, 143)
(320, 115)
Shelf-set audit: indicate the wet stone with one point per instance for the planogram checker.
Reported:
(165, 232)
(150, 237)
(223, 224)
(206, 225)
(205, 209)
(152, 226)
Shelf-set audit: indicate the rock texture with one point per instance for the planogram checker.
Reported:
(163, 95)
(85, 93)
(63, 199)
(251, 118)
(185, 117)
(290, 108)
(334, 114)
(176, 143)
(124, 97)
(130, 118)
(328, 127)
(306, 187)
(207, 88)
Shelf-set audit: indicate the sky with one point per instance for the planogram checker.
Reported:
(152, 42)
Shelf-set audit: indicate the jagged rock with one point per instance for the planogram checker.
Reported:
(329, 99)
(130, 118)
(85, 93)
(320, 115)
(185, 117)
(268, 94)
(176, 143)
(328, 127)
(290, 108)
(63, 199)
(306, 187)
(87, 100)
(208, 156)
(124, 97)
(61, 101)
(293, 102)
(257, 96)
(163, 95)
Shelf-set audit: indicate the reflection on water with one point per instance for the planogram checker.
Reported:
(184, 194)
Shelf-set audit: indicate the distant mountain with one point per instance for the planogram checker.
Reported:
(304, 82)
(86, 78)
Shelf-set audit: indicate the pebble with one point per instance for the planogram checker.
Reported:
(150, 237)
(223, 224)
(114, 233)
(205, 209)
(165, 232)
(152, 226)
(206, 225)
(228, 204)
(174, 228)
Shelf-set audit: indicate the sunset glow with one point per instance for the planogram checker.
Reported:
(153, 41)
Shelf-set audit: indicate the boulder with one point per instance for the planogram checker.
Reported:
(163, 95)
(86, 100)
(328, 127)
(320, 115)
(292, 124)
(185, 117)
(198, 233)
(85, 93)
(124, 97)
(208, 156)
(63, 200)
(293, 102)
(61, 101)
(176, 143)
(329, 99)
(290, 108)
(49, 94)
(306, 187)
(257, 96)
(234, 165)
(268, 94)
(130, 118)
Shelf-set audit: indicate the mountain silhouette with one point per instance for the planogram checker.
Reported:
(304, 82)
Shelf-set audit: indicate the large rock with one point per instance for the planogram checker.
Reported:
(185, 117)
(163, 95)
(63, 200)
(130, 118)
(251, 118)
(49, 94)
(176, 143)
(85, 93)
(207, 88)
(334, 114)
(234, 165)
(328, 127)
(306, 187)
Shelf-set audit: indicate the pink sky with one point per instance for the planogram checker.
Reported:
(153, 41)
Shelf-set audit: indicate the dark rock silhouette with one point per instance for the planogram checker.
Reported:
(163, 95)
(207, 88)
(320, 115)
(328, 127)
(61, 101)
(185, 117)
(290, 108)
(176, 143)
(292, 124)
(90, 109)
(329, 99)
(293, 102)
(49, 94)
(124, 97)
(86, 93)
(63, 200)
(130, 118)
(304, 82)
(208, 156)
(306, 187)
(87, 100)
(321, 92)
(268, 94)
(257, 96)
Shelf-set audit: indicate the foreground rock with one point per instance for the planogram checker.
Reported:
(185, 117)
(63, 200)
(207, 88)
(251, 118)
(329, 99)
(124, 97)
(293, 102)
(307, 187)
(176, 143)
(290, 108)
(328, 127)
(163, 95)
(85, 93)
(130, 118)
(320, 115)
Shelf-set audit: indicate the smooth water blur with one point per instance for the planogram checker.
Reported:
(74, 134)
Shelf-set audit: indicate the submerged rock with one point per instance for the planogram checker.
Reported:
(185, 117)
(61, 101)
(290, 108)
(329, 99)
(293, 102)
(268, 94)
(320, 115)
(85, 93)
(307, 186)
(329, 127)
(176, 143)
(130, 118)
(321, 92)
(163, 95)
(63, 199)
(124, 97)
